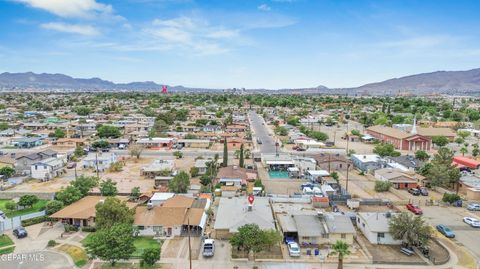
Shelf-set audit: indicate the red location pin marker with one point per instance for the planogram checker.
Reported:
(251, 199)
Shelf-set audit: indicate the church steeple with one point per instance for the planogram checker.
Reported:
(414, 128)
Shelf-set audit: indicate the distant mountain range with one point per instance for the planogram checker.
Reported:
(446, 82)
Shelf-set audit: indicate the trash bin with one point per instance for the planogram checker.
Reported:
(317, 251)
(309, 252)
(458, 203)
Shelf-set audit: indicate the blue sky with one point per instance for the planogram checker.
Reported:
(239, 43)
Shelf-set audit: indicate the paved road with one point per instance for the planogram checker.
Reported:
(260, 132)
(453, 218)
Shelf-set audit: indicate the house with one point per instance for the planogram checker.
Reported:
(375, 227)
(194, 143)
(158, 198)
(156, 142)
(212, 128)
(121, 143)
(400, 139)
(102, 160)
(82, 212)
(235, 143)
(70, 142)
(366, 163)
(23, 163)
(335, 162)
(400, 179)
(470, 186)
(47, 169)
(176, 216)
(27, 142)
(405, 163)
(299, 220)
(234, 212)
(202, 165)
(308, 144)
(233, 172)
(158, 168)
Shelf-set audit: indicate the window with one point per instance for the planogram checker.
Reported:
(325, 236)
(36, 167)
(141, 227)
(380, 235)
(343, 236)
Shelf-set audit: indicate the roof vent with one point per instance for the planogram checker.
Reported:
(149, 205)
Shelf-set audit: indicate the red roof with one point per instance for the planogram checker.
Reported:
(470, 163)
(320, 199)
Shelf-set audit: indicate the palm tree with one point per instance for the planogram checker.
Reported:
(342, 249)
(463, 150)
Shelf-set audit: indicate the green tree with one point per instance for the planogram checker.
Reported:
(28, 200)
(463, 134)
(422, 155)
(69, 195)
(112, 211)
(151, 255)
(108, 131)
(135, 193)
(100, 144)
(382, 186)
(270, 238)
(3, 126)
(7, 171)
(475, 150)
(242, 157)
(412, 230)
(247, 238)
(225, 152)
(11, 205)
(178, 154)
(53, 206)
(463, 150)
(441, 172)
(194, 171)
(335, 177)
(342, 249)
(205, 180)
(84, 184)
(180, 183)
(79, 152)
(385, 149)
(59, 133)
(108, 187)
(440, 141)
(112, 244)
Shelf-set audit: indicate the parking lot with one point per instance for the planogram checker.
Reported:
(453, 218)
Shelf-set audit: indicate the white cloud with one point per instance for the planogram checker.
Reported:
(264, 7)
(70, 8)
(190, 33)
(422, 42)
(71, 28)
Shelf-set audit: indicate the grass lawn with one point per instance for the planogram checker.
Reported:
(38, 206)
(140, 243)
(5, 241)
(7, 250)
(79, 256)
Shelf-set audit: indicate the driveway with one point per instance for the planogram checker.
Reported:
(38, 237)
(453, 218)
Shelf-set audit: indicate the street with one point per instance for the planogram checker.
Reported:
(260, 133)
(453, 218)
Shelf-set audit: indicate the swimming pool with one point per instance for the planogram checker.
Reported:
(278, 174)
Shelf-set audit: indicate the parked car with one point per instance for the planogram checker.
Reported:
(259, 141)
(208, 248)
(293, 249)
(413, 191)
(475, 223)
(71, 165)
(473, 207)
(414, 209)
(443, 229)
(20, 232)
(423, 191)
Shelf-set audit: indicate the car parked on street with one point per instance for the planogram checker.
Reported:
(473, 207)
(414, 209)
(208, 248)
(475, 223)
(20, 232)
(443, 229)
(293, 249)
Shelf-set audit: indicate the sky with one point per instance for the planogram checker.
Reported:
(239, 43)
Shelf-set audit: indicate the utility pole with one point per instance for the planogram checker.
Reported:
(96, 161)
(348, 159)
(189, 245)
